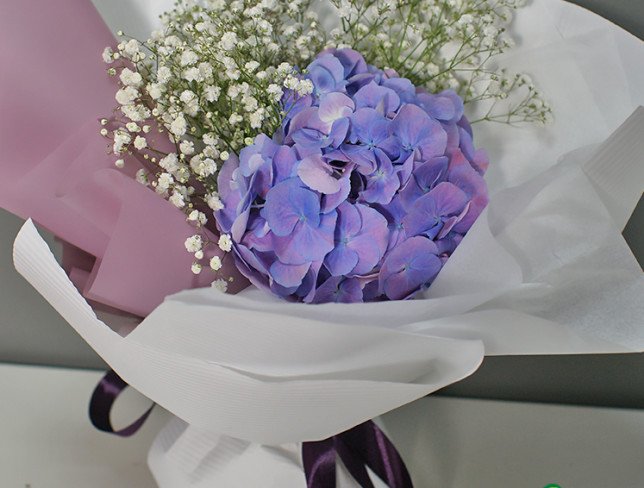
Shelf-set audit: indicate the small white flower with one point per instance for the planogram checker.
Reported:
(215, 203)
(177, 199)
(132, 127)
(164, 182)
(192, 74)
(121, 140)
(196, 268)
(179, 126)
(215, 263)
(210, 139)
(142, 177)
(225, 243)
(251, 66)
(205, 70)
(220, 285)
(155, 90)
(140, 143)
(275, 91)
(228, 41)
(256, 118)
(131, 47)
(169, 163)
(127, 95)
(108, 55)
(187, 96)
(136, 113)
(187, 147)
(188, 57)
(164, 74)
(119, 163)
(235, 119)
(225, 155)
(130, 78)
(212, 93)
(197, 216)
(193, 243)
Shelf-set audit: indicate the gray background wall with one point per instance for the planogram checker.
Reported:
(32, 332)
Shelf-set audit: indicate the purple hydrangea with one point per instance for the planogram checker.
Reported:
(363, 194)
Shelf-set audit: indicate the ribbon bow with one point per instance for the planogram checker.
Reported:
(364, 446)
(360, 447)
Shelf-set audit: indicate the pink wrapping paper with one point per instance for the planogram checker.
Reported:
(125, 243)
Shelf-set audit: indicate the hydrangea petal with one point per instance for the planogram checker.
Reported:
(408, 267)
(317, 174)
(339, 290)
(307, 243)
(288, 275)
(289, 203)
(416, 130)
(335, 106)
(382, 99)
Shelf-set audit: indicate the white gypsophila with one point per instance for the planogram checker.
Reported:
(170, 163)
(155, 90)
(119, 163)
(130, 78)
(210, 139)
(193, 243)
(228, 41)
(140, 142)
(136, 112)
(121, 141)
(214, 202)
(132, 48)
(225, 243)
(177, 199)
(187, 147)
(126, 95)
(220, 285)
(212, 93)
(442, 44)
(142, 176)
(164, 74)
(164, 182)
(197, 217)
(196, 268)
(215, 263)
(108, 55)
(179, 126)
(188, 58)
(202, 81)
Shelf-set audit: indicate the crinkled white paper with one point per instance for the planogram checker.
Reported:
(543, 271)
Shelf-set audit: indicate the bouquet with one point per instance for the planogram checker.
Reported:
(324, 168)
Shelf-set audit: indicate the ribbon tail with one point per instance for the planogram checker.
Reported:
(319, 463)
(370, 446)
(102, 401)
(354, 464)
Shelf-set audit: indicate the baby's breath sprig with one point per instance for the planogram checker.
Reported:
(201, 88)
(444, 44)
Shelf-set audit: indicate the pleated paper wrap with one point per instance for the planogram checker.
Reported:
(543, 271)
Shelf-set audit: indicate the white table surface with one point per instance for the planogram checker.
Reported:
(46, 440)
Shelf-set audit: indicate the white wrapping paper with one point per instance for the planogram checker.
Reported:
(543, 271)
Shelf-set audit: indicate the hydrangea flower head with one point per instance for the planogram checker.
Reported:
(363, 194)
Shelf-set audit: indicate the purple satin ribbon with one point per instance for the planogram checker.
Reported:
(363, 446)
(103, 398)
